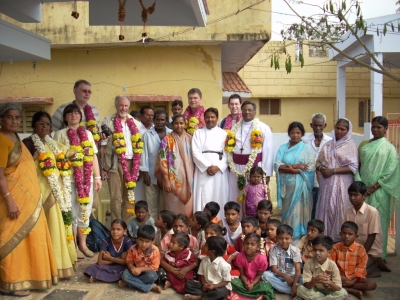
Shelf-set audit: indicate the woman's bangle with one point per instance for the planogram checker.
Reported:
(6, 195)
(97, 177)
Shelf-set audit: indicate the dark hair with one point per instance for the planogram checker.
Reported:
(182, 217)
(217, 244)
(358, 187)
(36, 117)
(258, 170)
(80, 81)
(325, 241)
(195, 91)
(176, 103)
(284, 228)
(69, 109)
(213, 207)
(253, 221)
(182, 238)
(120, 222)
(235, 96)
(215, 227)
(344, 122)
(141, 204)
(143, 108)
(232, 205)
(317, 224)
(135, 113)
(274, 222)
(202, 218)
(160, 112)
(167, 217)
(146, 232)
(350, 225)
(381, 120)
(249, 103)
(253, 235)
(178, 116)
(212, 110)
(265, 204)
(296, 125)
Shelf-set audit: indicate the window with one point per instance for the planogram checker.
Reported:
(364, 112)
(28, 110)
(270, 106)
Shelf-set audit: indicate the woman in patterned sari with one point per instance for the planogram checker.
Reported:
(380, 171)
(26, 254)
(174, 170)
(336, 165)
(294, 167)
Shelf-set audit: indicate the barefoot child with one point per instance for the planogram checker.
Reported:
(264, 213)
(164, 226)
(252, 264)
(254, 192)
(215, 274)
(142, 218)
(321, 276)
(212, 208)
(351, 259)
(231, 222)
(111, 262)
(179, 256)
(142, 261)
(314, 228)
(197, 223)
(271, 240)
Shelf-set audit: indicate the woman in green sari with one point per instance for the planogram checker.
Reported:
(380, 171)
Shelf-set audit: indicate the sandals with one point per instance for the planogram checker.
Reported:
(79, 254)
(15, 293)
(87, 252)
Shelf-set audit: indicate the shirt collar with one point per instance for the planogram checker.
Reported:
(324, 266)
(288, 251)
(351, 248)
(361, 210)
(216, 260)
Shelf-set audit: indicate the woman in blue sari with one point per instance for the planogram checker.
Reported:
(294, 167)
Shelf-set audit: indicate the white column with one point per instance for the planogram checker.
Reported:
(377, 88)
(341, 91)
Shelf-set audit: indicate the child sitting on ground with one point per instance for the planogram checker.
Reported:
(212, 208)
(252, 264)
(369, 228)
(264, 213)
(142, 262)
(231, 222)
(215, 274)
(142, 218)
(164, 226)
(254, 192)
(351, 259)
(314, 228)
(249, 225)
(285, 263)
(271, 239)
(178, 256)
(321, 276)
(197, 223)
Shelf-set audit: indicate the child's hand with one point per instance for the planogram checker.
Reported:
(249, 286)
(106, 255)
(289, 280)
(180, 274)
(294, 290)
(231, 258)
(124, 255)
(205, 288)
(210, 287)
(135, 271)
(183, 272)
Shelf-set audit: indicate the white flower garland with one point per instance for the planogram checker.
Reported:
(253, 154)
(62, 197)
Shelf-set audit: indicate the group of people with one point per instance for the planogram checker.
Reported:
(176, 165)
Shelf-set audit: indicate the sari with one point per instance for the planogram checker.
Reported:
(64, 250)
(294, 191)
(175, 161)
(333, 197)
(379, 163)
(26, 254)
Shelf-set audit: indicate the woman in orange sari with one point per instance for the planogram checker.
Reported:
(174, 170)
(26, 254)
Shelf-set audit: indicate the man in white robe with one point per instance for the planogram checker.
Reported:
(211, 174)
(242, 149)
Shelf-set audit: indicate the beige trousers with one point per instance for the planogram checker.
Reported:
(154, 197)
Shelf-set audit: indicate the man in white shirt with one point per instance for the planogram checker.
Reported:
(152, 139)
(316, 140)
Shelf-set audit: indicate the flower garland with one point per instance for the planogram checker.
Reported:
(120, 148)
(82, 164)
(229, 119)
(46, 163)
(193, 121)
(91, 123)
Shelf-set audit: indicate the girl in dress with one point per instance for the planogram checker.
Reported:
(254, 192)
(113, 251)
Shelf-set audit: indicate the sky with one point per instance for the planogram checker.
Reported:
(370, 9)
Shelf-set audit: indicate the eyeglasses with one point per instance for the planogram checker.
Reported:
(12, 118)
(73, 113)
(44, 124)
(86, 91)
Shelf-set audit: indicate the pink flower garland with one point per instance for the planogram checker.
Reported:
(91, 123)
(229, 119)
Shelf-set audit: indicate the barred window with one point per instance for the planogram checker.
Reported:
(270, 106)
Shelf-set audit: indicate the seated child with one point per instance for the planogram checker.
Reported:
(264, 213)
(142, 261)
(111, 262)
(368, 221)
(255, 191)
(249, 225)
(197, 223)
(271, 240)
(178, 256)
(252, 264)
(321, 277)
(142, 218)
(215, 274)
(351, 259)
(285, 263)
(231, 222)
(212, 208)
(314, 228)
(164, 226)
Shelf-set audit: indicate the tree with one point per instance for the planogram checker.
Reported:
(336, 21)
(398, 9)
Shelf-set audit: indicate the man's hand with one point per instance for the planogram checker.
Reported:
(212, 170)
(146, 178)
(104, 175)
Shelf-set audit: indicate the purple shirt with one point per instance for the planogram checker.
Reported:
(259, 263)
(254, 194)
